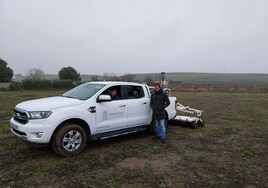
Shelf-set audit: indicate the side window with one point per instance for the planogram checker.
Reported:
(134, 92)
(114, 92)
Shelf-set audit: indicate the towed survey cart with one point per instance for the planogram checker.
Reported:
(192, 117)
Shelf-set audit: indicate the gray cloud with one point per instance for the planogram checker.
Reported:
(128, 36)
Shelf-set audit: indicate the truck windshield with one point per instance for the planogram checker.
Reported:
(83, 91)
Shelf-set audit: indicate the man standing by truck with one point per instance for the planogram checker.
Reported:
(159, 101)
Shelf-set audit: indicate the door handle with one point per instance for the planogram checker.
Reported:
(122, 105)
(144, 103)
(92, 109)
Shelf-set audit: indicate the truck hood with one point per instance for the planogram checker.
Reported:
(49, 103)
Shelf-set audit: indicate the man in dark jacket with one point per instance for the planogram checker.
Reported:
(159, 101)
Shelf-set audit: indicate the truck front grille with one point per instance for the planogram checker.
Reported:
(20, 116)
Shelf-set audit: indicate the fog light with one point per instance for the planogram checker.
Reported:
(39, 135)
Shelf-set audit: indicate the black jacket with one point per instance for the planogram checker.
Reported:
(159, 101)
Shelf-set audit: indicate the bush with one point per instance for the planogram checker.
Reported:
(62, 84)
(47, 84)
(77, 83)
(36, 84)
(15, 86)
(3, 89)
(69, 73)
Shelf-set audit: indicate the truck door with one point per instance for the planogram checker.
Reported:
(138, 106)
(111, 115)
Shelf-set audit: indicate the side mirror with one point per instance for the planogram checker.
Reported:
(104, 98)
(167, 91)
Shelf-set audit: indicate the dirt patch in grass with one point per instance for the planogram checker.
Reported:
(156, 163)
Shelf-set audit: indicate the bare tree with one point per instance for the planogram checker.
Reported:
(110, 76)
(128, 77)
(35, 74)
(95, 78)
(149, 80)
(113, 77)
(105, 76)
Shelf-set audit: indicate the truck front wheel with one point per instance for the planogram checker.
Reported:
(69, 140)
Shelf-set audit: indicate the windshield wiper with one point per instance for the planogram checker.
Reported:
(73, 98)
(68, 96)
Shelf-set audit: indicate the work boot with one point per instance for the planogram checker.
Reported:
(163, 141)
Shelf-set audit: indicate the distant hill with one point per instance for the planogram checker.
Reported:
(217, 78)
(202, 78)
(211, 78)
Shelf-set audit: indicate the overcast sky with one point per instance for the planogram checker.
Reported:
(135, 36)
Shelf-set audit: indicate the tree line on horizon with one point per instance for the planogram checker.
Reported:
(67, 78)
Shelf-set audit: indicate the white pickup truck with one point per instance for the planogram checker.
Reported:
(85, 113)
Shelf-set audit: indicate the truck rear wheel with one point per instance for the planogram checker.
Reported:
(69, 140)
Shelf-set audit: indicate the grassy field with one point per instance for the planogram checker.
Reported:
(231, 151)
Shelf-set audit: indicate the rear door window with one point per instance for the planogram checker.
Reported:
(134, 92)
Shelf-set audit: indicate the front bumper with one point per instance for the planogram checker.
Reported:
(35, 131)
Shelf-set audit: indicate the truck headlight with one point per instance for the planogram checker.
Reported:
(39, 114)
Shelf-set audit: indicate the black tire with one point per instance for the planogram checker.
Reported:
(195, 125)
(69, 140)
(202, 123)
(199, 124)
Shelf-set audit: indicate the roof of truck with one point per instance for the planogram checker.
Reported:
(116, 82)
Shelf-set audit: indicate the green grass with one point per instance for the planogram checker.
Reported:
(230, 151)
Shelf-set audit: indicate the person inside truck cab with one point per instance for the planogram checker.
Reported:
(135, 93)
(114, 95)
